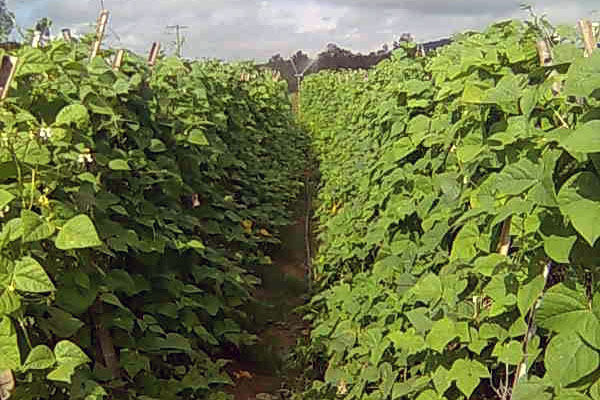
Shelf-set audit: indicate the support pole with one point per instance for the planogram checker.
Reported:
(7, 73)
(154, 54)
(118, 59)
(100, 30)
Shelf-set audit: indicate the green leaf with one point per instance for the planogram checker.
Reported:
(529, 293)
(69, 353)
(409, 341)
(442, 333)
(568, 359)
(63, 324)
(589, 329)
(30, 276)
(428, 289)
(468, 374)
(5, 198)
(119, 165)
(40, 357)
(157, 146)
(531, 391)
(9, 302)
(570, 394)
(62, 373)
(559, 247)
(78, 233)
(510, 353)
(562, 309)
(197, 137)
(10, 357)
(579, 199)
(442, 379)
(585, 139)
(464, 244)
(35, 227)
(75, 114)
(133, 362)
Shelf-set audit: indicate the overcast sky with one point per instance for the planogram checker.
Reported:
(257, 29)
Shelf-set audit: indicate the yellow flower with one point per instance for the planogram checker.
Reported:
(43, 200)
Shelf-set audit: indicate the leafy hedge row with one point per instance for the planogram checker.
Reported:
(422, 162)
(136, 205)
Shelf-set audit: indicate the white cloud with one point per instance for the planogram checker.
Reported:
(241, 29)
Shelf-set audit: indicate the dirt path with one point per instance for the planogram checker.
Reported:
(263, 373)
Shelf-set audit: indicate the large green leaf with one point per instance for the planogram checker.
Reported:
(119, 165)
(529, 293)
(30, 276)
(559, 247)
(562, 309)
(442, 333)
(585, 139)
(5, 198)
(78, 233)
(468, 375)
(579, 199)
(35, 227)
(75, 114)
(10, 357)
(40, 357)
(568, 359)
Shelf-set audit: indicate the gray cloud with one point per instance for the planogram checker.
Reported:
(242, 29)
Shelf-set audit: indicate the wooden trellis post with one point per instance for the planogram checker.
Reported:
(67, 35)
(37, 37)
(118, 59)
(100, 30)
(153, 54)
(7, 73)
(589, 41)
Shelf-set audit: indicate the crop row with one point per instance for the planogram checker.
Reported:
(136, 205)
(459, 214)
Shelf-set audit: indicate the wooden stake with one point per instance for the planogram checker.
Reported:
(100, 30)
(588, 36)
(7, 384)
(544, 53)
(7, 73)
(154, 54)
(67, 35)
(37, 37)
(504, 244)
(118, 59)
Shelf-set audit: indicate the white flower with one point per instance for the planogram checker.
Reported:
(85, 157)
(45, 133)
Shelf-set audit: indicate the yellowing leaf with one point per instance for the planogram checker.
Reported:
(265, 233)
(247, 226)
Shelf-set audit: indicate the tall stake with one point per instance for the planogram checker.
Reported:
(588, 36)
(8, 67)
(67, 35)
(546, 59)
(118, 59)
(153, 54)
(100, 30)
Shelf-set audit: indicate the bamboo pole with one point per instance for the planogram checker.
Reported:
(67, 35)
(587, 30)
(154, 54)
(118, 61)
(100, 30)
(7, 73)
(37, 37)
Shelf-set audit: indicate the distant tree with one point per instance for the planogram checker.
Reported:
(7, 21)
